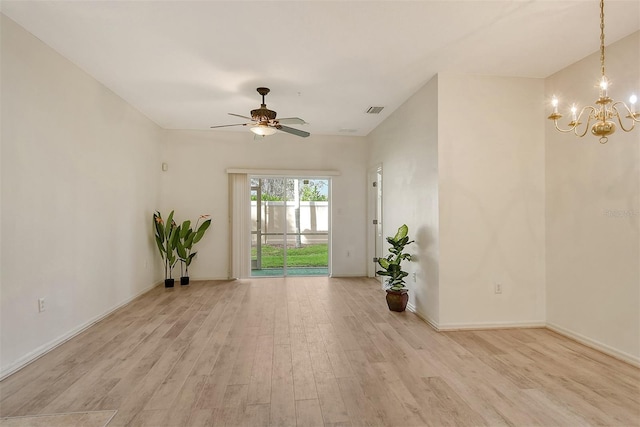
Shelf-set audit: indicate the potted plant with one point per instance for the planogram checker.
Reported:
(166, 238)
(397, 296)
(187, 238)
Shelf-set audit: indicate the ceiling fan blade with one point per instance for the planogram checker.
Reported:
(292, 121)
(226, 126)
(238, 115)
(293, 131)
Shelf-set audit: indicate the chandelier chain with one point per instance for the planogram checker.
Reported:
(602, 36)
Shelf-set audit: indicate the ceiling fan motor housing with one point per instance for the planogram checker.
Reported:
(263, 114)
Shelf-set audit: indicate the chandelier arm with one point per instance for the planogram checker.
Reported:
(592, 115)
(571, 129)
(587, 126)
(631, 116)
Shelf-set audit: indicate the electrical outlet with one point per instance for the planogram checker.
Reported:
(40, 305)
(498, 288)
(414, 277)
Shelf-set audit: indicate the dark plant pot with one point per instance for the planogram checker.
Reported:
(184, 280)
(168, 283)
(397, 300)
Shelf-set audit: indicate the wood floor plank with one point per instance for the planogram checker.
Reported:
(303, 380)
(256, 416)
(283, 407)
(260, 382)
(308, 413)
(375, 390)
(212, 395)
(361, 410)
(283, 403)
(316, 351)
(397, 387)
(331, 401)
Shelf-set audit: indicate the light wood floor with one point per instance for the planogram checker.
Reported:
(316, 351)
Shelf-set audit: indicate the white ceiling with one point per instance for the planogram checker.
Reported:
(186, 64)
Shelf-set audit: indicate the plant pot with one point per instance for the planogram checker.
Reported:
(397, 300)
(168, 283)
(184, 280)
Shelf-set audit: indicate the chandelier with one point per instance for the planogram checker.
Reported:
(606, 111)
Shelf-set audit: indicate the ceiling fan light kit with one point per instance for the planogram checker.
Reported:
(606, 111)
(264, 121)
(263, 130)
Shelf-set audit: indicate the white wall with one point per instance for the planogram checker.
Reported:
(593, 212)
(79, 175)
(463, 163)
(491, 171)
(196, 183)
(406, 144)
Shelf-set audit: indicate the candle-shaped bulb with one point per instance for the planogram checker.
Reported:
(632, 100)
(574, 111)
(554, 104)
(604, 85)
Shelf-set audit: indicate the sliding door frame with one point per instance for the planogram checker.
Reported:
(240, 217)
(285, 232)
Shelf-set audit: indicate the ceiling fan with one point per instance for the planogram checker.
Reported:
(264, 122)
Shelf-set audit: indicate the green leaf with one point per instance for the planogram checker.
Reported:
(158, 224)
(160, 247)
(186, 228)
(182, 253)
(190, 258)
(168, 226)
(198, 236)
(188, 243)
(402, 232)
(173, 237)
(203, 227)
(201, 231)
(384, 263)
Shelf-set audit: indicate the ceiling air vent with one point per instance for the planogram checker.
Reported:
(374, 110)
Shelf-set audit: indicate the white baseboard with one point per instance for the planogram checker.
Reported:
(473, 326)
(425, 318)
(489, 325)
(46, 348)
(589, 342)
(346, 275)
(596, 345)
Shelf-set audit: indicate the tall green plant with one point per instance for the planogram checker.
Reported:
(166, 238)
(187, 238)
(391, 265)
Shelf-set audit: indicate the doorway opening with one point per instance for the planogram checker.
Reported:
(290, 226)
(374, 228)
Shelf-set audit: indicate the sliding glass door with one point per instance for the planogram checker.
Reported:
(289, 226)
